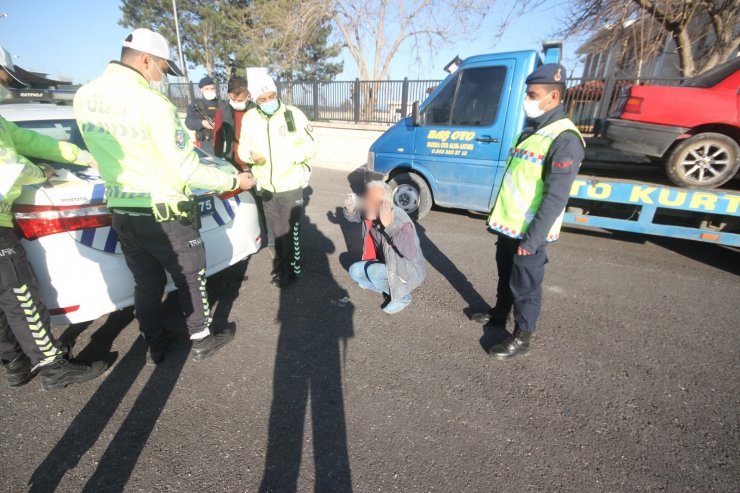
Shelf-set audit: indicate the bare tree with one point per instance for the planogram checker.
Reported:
(373, 31)
(705, 32)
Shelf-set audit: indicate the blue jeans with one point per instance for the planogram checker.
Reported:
(370, 274)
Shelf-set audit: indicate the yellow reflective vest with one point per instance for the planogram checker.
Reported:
(144, 153)
(523, 184)
(16, 170)
(287, 148)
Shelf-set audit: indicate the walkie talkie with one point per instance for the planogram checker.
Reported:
(289, 121)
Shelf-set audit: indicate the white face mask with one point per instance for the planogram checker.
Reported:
(209, 95)
(160, 85)
(4, 93)
(238, 105)
(532, 107)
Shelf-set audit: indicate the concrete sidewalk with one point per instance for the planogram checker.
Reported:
(341, 147)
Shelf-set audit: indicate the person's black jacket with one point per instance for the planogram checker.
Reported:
(200, 110)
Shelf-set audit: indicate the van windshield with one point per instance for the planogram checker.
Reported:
(714, 76)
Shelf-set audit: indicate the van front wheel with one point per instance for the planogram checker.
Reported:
(411, 193)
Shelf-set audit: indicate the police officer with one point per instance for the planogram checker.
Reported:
(149, 165)
(201, 114)
(528, 211)
(277, 143)
(27, 345)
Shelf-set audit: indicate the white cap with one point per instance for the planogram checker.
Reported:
(148, 41)
(259, 82)
(6, 62)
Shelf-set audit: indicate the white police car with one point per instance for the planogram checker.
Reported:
(66, 228)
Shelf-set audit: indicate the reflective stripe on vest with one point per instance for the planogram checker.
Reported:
(522, 187)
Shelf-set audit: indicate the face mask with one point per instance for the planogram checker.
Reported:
(270, 107)
(532, 108)
(238, 106)
(4, 93)
(160, 85)
(209, 95)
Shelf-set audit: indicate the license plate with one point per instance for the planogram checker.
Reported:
(206, 206)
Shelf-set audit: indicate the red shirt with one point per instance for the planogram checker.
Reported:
(218, 136)
(369, 251)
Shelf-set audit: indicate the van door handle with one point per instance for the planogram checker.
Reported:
(487, 139)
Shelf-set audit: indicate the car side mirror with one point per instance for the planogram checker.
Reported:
(415, 116)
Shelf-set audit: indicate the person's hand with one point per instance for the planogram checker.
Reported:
(94, 164)
(349, 203)
(247, 181)
(49, 172)
(521, 251)
(386, 213)
(206, 124)
(257, 157)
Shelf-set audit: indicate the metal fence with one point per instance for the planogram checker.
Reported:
(588, 101)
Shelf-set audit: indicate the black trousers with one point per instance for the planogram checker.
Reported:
(24, 319)
(153, 249)
(520, 282)
(283, 214)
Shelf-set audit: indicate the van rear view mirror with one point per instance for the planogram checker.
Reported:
(415, 117)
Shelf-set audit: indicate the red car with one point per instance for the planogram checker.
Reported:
(694, 128)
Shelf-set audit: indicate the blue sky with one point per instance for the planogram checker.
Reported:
(76, 39)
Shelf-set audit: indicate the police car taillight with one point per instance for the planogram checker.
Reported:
(37, 221)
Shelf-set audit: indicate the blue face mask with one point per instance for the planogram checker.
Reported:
(270, 107)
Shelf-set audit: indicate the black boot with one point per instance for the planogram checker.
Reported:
(158, 349)
(63, 372)
(495, 316)
(515, 344)
(207, 346)
(18, 371)
(284, 279)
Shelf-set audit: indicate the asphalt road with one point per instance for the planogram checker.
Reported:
(632, 384)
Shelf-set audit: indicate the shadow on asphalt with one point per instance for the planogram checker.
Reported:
(315, 318)
(717, 256)
(447, 269)
(352, 234)
(118, 461)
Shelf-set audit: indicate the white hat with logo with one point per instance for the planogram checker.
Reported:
(6, 62)
(148, 41)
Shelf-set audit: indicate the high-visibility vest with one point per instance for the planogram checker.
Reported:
(286, 141)
(144, 153)
(523, 184)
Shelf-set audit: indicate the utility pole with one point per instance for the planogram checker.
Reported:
(190, 93)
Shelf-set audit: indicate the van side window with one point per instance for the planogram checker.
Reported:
(471, 99)
(439, 109)
(478, 96)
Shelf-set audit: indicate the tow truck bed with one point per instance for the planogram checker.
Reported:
(603, 197)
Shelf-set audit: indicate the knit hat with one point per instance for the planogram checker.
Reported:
(259, 82)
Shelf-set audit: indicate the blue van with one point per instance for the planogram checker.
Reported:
(452, 150)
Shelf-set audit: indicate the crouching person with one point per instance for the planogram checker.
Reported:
(392, 262)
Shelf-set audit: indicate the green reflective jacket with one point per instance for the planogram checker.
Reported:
(144, 153)
(16, 170)
(287, 149)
